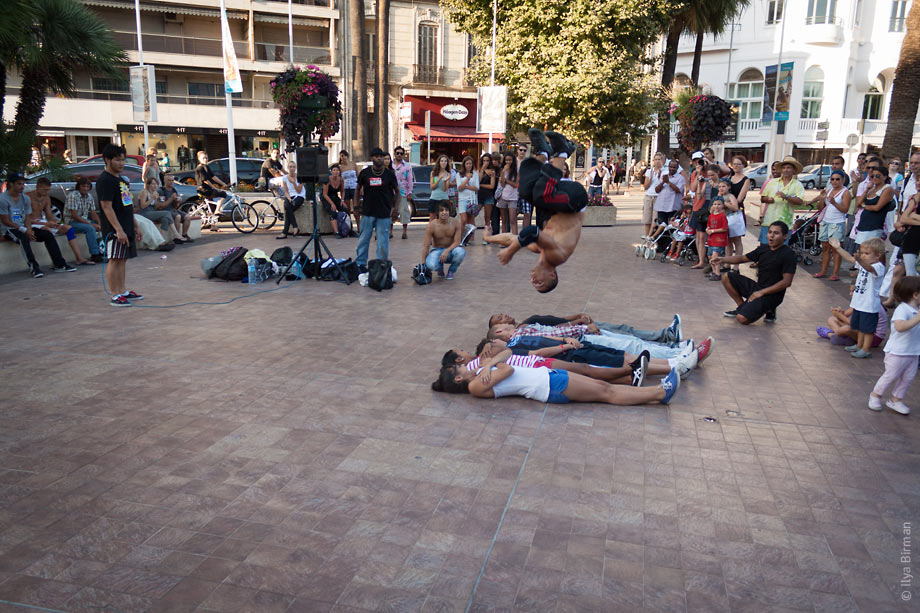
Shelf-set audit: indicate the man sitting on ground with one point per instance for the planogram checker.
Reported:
(775, 268)
(559, 205)
(16, 225)
(672, 335)
(442, 242)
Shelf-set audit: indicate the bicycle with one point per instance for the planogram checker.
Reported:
(243, 215)
(269, 213)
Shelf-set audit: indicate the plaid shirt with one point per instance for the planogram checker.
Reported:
(404, 178)
(575, 331)
(81, 204)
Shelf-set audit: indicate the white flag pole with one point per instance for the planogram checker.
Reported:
(140, 61)
(232, 82)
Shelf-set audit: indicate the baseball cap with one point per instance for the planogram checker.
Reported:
(378, 151)
(696, 155)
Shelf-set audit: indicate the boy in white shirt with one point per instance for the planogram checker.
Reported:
(865, 302)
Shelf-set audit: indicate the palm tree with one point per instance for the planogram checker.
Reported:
(382, 98)
(905, 91)
(699, 17)
(48, 42)
(359, 82)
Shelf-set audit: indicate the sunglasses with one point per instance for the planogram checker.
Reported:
(836, 179)
(522, 150)
(875, 176)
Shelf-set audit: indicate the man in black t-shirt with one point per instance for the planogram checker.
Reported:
(379, 189)
(776, 264)
(271, 169)
(118, 226)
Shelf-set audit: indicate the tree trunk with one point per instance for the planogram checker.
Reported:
(359, 80)
(697, 57)
(905, 91)
(382, 98)
(667, 77)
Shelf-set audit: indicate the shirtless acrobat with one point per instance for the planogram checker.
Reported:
(559, 206)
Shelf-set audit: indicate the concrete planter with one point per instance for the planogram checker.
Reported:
(600, 216)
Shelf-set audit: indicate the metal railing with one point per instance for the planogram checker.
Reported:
(814, 20)
(272, 52)
(323, 3)
(120, 96)
(433, 75)
(185, 45)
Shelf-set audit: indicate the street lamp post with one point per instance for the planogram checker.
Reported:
(140, 61)
(492, 78)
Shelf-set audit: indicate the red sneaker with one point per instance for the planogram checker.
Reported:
(119, 301)
(704, 349)
(132, 295)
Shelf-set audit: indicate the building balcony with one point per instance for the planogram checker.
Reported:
(430, 75)
(323, 3)
(271, 52)
(183, 45)
(125, 96)
(823, 30)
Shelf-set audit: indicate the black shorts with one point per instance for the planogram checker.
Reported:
(120, 251)
(333, 215)
(752, 310)
(699, 219)
(664, 217)
(864, 322)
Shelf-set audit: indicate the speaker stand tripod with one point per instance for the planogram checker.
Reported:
(319, 246)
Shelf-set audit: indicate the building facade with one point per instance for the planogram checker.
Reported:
(843, 55)
(182, 40)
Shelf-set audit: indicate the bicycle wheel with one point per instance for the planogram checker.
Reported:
(245, 218)
(268, 214)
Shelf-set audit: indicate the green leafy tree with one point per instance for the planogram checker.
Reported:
(576, 66)
(48, 42)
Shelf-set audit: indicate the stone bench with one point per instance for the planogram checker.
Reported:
(12, 260)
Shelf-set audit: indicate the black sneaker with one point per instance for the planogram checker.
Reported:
(65, 268)
(639, 366)
(770, 317)
(731, 313)
(36, 272)
(119, 301)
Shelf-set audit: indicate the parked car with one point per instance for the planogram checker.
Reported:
(63, 181)
(247, 171)
(129, 159)
(810, 177)
(758, 175)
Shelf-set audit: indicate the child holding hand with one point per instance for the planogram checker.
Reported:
(717, 233)
(865, 302)
(902, 350)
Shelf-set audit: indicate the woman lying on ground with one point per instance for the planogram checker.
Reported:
(545, 385)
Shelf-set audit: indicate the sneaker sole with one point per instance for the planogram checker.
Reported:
(878, 408)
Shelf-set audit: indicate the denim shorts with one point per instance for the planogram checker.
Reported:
(863, 322)
(719, 250)
(832, 230)
(864, 235)
(558, 381)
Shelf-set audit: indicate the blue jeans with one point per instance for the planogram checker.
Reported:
(454, 259)
(633, 345)
(595, 190)
(382, 224)
(660, 336)
(92, 241)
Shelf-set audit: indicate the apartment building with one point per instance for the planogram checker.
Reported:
(844, 54)
(182, 40)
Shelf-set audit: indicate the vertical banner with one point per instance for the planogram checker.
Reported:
(777, 92)
(491, 104)
(233, 84)
(143, 92)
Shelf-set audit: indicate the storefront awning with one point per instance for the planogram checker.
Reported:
(453, 134)
(297, 21)
(166, 8)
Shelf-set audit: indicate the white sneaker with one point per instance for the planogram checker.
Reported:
(875, 403)
(898, 406)
(687, 364)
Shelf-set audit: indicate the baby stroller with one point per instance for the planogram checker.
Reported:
(804, 237)
(649, 247)
(687, 249)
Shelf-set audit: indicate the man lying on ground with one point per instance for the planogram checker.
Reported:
(670, 335)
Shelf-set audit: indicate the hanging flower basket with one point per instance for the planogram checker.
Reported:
(703, 119)
(309, 104)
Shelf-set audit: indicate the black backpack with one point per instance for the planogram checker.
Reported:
(380, 274)
(232, 267)
(282, 256)
(421, 274)
(331, 273)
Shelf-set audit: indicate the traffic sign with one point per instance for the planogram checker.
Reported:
(821, 135)
(824, 125)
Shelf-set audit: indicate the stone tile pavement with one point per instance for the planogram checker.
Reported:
(285, 453)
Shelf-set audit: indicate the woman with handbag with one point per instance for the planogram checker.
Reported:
(296, 194)
(836, 203)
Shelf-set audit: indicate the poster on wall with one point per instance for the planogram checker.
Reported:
(777, 91)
